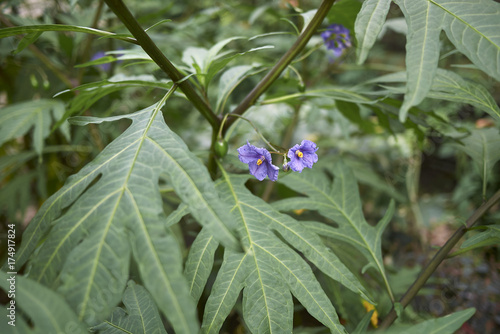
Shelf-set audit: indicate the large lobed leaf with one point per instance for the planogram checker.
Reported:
(270, 271)
(452, 87)
(112, 207)
(422, 49)
(341, 203)
(472, 26)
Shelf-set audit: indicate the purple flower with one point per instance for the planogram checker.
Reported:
(259, 162)
(337, 39)
(98, 55)
(302, 155)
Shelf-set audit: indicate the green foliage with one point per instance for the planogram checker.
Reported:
(340, 202)
(482, 147)
(270, 271)
(140, 316)
(46, 308)
(124, 224)
(34, 31)
(448, 324)
(17, 119)
(491, 236)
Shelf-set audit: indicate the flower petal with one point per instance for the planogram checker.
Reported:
(272, 171)
(260, 172)
(248, 153)
(296, 164)
(307, 145)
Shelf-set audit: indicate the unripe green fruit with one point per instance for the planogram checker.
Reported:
(220, 148)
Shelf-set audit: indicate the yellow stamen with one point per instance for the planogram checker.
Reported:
(299, 154)
(259, 162)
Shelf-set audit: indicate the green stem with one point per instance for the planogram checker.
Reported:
(438, 258)
(88, 42)
(287, 58)
(123, 13)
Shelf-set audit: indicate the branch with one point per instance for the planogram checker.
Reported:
(438, 258)
(281, 65)
(123, 13)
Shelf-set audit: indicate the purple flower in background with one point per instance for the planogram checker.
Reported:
(302, 155)
(259, 162)
(337, 39)
(98, 55)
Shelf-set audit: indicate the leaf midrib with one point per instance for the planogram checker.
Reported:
(157, 260)
(123, 188)
(252, 243)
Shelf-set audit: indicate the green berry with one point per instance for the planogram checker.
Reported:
(220, 148)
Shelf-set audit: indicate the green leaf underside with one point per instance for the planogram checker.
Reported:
(21, 326)
(482, 146)
(487, 238)
(450, 86)
(445, 325)
(422, 49)
(341, 203)
(47, 310)
(90, 93)
(17, 119)
(228, 81)
(123, 193)
(270, 271)
(200, 262)
(368, 25)
(140, 316)
(472, 26)
(12, 31)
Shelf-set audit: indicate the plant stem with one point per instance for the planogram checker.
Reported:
(438, 258)
(88, 42)
(124, 14)
(287, 58)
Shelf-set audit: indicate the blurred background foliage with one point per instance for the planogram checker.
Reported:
(427, 164)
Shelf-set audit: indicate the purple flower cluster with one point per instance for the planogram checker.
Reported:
(337, 39)
(260, 163)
